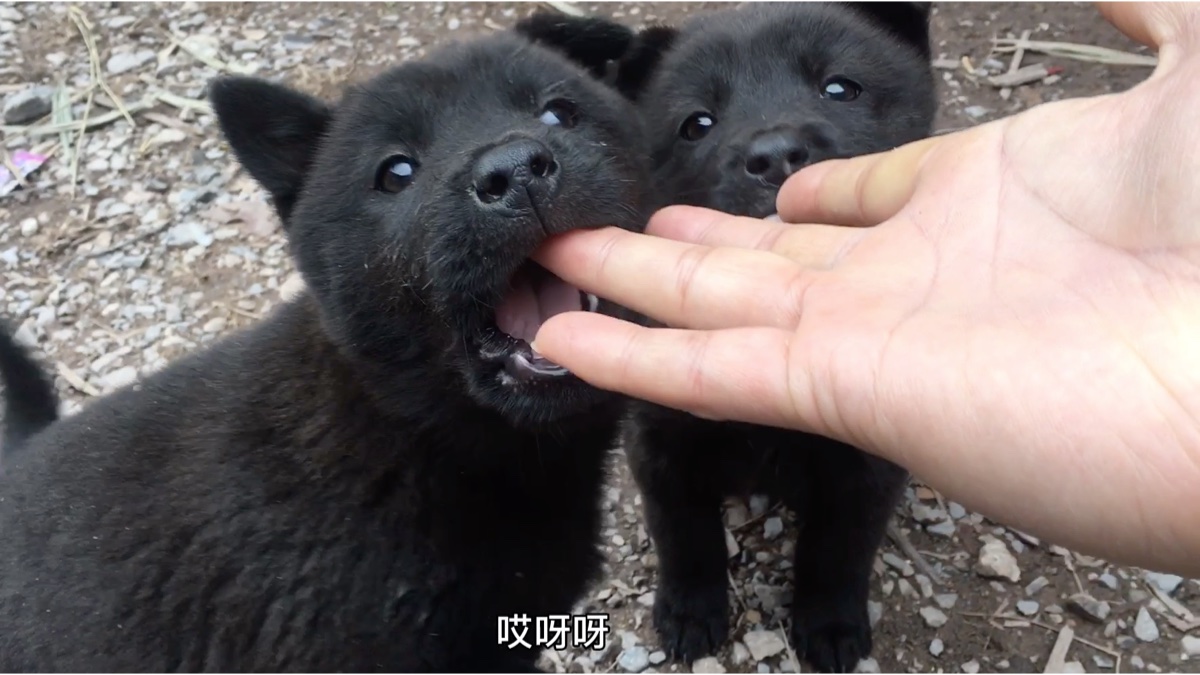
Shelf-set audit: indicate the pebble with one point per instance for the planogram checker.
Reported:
(166, 137)
(937, 647)
(934, 617)
(1109, 581)
(1036, 586)
(646, 599)
(971, 667)
(946, 600)
(996, 562)
(658, 656)
(1088, 607)
(874, 612)
(1144, 627)
(773, 527)
(731, 544)
(897, 563)
(1028, 607)
(945, 528)
(1138, 662)
(740, 654)
(957, 510)
(29, 227)
(763, 644)
(634, 659)
(1167, 583)
(1191, 645)
(123, 62)
(867, 665)
(736, 515)
(1073, 667)
(453, 24)
(215, 325)
(8, 13)
(759, 505)
(1103, 662)
(28, 105)
(923, 513)
(119, 378)
(975, 111)
(763, 668)
(708, 664)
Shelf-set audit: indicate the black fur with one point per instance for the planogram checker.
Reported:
(30, 402)
(351, 484)
(759, 70)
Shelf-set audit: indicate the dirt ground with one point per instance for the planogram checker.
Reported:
(162, 245)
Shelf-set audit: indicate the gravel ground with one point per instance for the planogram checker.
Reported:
(162, 245)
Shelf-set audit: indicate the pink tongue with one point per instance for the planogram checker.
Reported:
(535, 296)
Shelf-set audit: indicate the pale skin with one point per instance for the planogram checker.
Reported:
(1011, 312)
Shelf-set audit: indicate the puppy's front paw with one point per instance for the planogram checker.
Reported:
(692, 624)
(833, 637)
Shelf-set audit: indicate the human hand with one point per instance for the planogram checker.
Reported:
(1017, 328)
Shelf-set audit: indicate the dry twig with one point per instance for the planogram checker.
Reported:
(1077, 52)
(1058, 653)
(901, 540)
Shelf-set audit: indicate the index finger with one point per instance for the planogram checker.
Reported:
(861, 192)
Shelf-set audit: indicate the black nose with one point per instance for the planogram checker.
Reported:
(505, 174)
(772, 156)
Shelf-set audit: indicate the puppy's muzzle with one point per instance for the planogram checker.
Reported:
(515, 175)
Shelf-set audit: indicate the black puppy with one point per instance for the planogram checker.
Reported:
(369, 478)
(735, 101)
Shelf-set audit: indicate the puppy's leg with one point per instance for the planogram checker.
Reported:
(671, 462)
(849, 499)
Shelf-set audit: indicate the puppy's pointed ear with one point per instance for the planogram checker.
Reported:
(907, 20)
(274, 132)
(642, 58)
(592, 42)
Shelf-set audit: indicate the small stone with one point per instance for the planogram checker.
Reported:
(120, 377)
(254, 34)
(29, 227)
(1144, 627)
(936, 647)
(957, 510)
(1088, 607)
(1191, 645)
(759, 505)
(408, 41)
(923, 513)
(773, 527)
(731, 544)
(867, 665)
(657, 656)
(1103, 662)
(945, 529)
(634, 659)
(1167, 583)
(9, 13)
(1138, 662)
(736, 515)
(453, 24)
(646, 599)
(708, 664)
(970, 667)
(28, 105)
(897, 563)
(874, 612)
(124, 62)
(215, 325)
(975, 111)
(1126, 642)
(1109, 581)
(1036, 586)
(740, 654)
(763, 668)
(752, 616)
(1073, 667)
(1027, 607)
(763, 644)
(166, 137)
(945, 600)
(934, 617)
(996, 562)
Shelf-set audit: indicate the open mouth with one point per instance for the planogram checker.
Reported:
(534, 295)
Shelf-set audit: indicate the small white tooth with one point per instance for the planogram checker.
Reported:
(593, 302)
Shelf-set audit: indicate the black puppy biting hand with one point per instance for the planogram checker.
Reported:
(735, 101)
(369, 478)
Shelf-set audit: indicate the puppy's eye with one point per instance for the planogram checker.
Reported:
(838, 88)
(697, 126)
(395, 174)
(560, 112)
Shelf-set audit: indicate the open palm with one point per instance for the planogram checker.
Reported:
(1013, 318)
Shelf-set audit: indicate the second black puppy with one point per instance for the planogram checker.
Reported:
(372, 476)
(735, 102)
